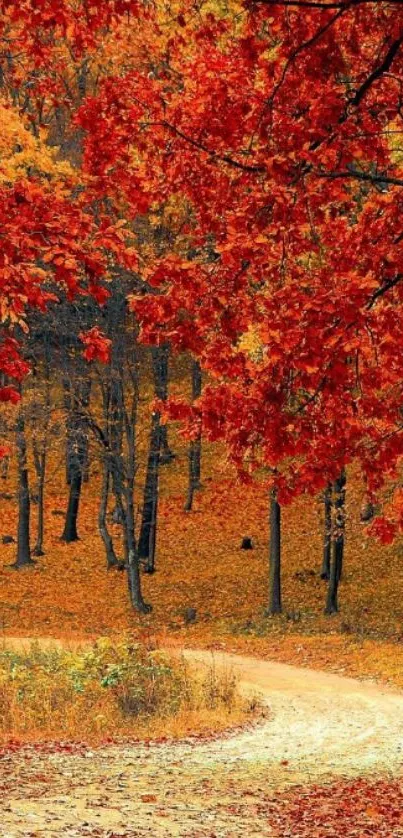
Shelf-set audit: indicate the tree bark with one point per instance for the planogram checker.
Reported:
(24, 506)
(111, 558)
(148, 529)
(133, 563)
(327, 535)
(195, 444)
(77, 452)
(70, 533)
(340, 522)
(336, 568)
(160, 362)
(4, 466)
(40, 467)
(275, 605)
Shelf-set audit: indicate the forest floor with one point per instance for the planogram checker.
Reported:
(327, 760)
(69, 593)
(307, 770)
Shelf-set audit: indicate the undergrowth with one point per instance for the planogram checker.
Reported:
(110, 690)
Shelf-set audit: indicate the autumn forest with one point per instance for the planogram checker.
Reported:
(201, 418)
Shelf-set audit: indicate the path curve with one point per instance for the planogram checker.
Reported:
(329, 724)
(320, 726)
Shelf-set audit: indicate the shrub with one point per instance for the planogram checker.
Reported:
(109, 689)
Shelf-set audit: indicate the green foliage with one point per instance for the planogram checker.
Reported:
(109, 686)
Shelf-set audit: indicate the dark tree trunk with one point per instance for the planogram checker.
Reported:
(70, 533)
(133, 566)
(148, 529)
(4, 466)
(327, 534)
(160, 361)
(111, 558)
(340, 520)
(120, 407)
(73, 398)
(336, 568)
(195, 444)
(275, 606)
(77, 444)
(24, 506)
(40, 468)
(332, 605)
(68, 403)
(133, 562)
(367, 512)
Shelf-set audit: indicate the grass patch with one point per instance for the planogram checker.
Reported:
(112, 690)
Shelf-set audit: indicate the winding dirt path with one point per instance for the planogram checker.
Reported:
(320, 726)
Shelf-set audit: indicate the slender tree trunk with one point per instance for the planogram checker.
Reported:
(40, 467)
(160, 361)
(4, 466)
(70, 533)
(327, 535)
(332, 605)
(148, 529)
(24, 506)
(121, 400)
(275, 606)
(133, 568)
(77, 453)
(67, 403)
(111, 558)
(195, 444)
(340, 521)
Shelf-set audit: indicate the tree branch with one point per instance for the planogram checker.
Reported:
(378, 72)
(333, 4)
(383, 289)
(224, 158)
(357, 175)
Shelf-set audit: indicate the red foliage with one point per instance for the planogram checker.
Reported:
(281, 135)
(281, 141)
(97, 346)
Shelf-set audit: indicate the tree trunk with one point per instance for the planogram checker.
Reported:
(77, 444)
(67, 407)
(111, 558)
(24, 507)
(332, 605)
(195, 444)
(70, 533)
(148, 529)
(160, 361)
(133, 563)
(40, 467)
(327, 535)
(4, 466)
(340, 521)
(275, 606)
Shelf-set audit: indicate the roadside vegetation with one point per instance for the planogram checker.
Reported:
(113, 690)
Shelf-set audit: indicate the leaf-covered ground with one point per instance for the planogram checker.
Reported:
(70, 594)
(274, 779)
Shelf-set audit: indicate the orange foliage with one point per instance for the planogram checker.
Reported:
(69, 593)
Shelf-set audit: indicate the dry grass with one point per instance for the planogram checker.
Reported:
(110, 689)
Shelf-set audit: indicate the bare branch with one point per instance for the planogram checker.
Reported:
(332, 4)
(383, 289)
(378, 72)
(355, 174)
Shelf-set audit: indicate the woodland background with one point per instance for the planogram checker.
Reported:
(200, 306)
(201, 320)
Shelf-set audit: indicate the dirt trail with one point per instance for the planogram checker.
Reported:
(320, 725)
